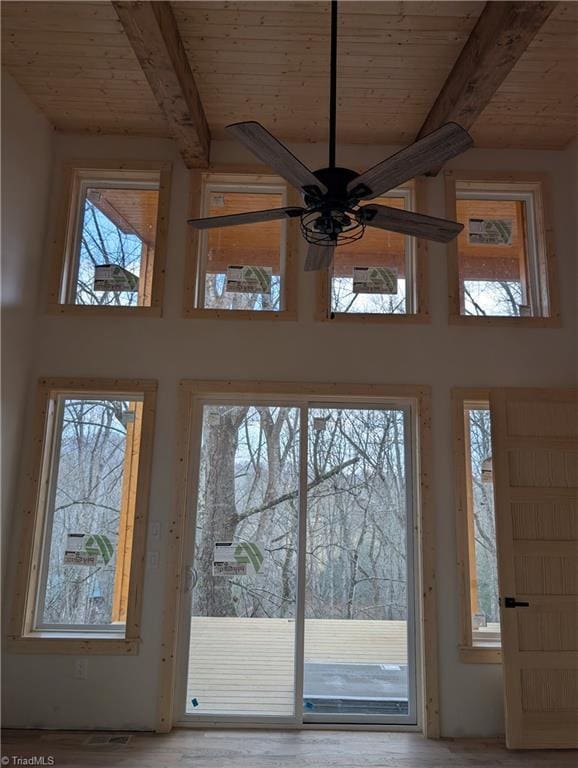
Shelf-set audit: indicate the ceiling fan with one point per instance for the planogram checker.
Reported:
(332, 215)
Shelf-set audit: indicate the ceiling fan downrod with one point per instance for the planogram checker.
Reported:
(333, 85)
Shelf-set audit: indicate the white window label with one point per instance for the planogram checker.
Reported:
(86, 549)
(490, 231)
(75, 541)
(127, 417)
(80, 558)
(224, 563)
(374, 280)
(242, 279)
(217, 200)
(111, 277)
(75, 552)
(479, 620)
(487, 472)
(236, 559)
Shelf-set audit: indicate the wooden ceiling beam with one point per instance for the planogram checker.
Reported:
(501, 35)
(153, 34)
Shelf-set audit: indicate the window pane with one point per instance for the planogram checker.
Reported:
(241, 658)
(118, 231)
(356, 587)
(492, 257)
(484, 594)
(249, 245)
(377, 248)
(91, 512)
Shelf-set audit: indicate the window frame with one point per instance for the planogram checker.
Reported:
(22, 635)
(468, 652)
(540, 255)
(418, 272)
(237, 178)
(74, 177)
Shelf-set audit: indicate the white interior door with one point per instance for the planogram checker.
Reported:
(535, 449)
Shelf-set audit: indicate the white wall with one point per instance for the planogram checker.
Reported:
(122, 692)
(26, 160)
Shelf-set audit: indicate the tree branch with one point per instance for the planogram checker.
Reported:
(293, 494)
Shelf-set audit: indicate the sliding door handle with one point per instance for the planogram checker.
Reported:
(511, 602)
(190, 578)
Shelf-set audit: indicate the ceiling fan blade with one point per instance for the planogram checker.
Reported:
(410, 223)
(270, 151)
(428, 153)
(254, 217)
(318, 257)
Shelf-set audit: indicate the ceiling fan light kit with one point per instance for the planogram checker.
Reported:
(332, 214)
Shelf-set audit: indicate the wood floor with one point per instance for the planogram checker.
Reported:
(273, 749)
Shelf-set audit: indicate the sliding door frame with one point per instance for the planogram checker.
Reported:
(191, 395)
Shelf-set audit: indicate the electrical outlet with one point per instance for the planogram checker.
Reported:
(155, 530)
(81, 669)
(153, 561)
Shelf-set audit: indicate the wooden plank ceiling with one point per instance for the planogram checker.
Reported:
(268, 61)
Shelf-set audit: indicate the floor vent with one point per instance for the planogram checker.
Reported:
(107, 739)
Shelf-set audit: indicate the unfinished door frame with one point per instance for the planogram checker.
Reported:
(419, 397)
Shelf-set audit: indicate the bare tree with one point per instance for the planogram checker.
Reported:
(483, 511)
(357, 520)
(88, 484)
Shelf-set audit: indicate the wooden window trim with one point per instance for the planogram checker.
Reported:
(193, 262)
(61, 244)
(427, 650)
(323, 287)
(20, 638)
(539, 185)
(121, 592)
(468, 652)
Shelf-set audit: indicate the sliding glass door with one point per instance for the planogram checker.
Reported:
(300, 579)
(358, 592)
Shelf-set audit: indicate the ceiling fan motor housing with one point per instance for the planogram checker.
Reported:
(331, 218)
(335, 180)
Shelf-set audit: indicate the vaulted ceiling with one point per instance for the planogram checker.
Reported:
(269, 61)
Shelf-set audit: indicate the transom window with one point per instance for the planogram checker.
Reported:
(242, 267)
(503, 261)
(112, 250)
(375, 275)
